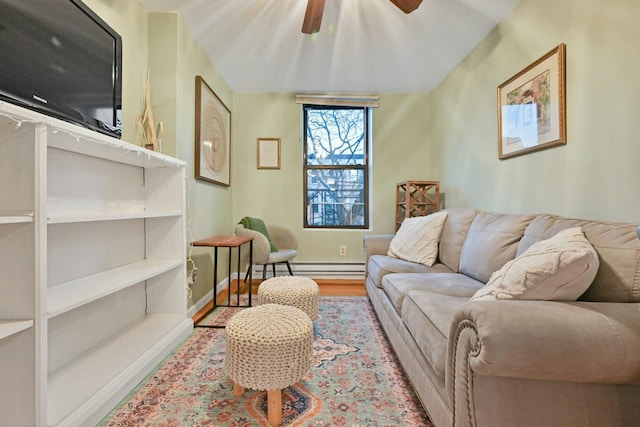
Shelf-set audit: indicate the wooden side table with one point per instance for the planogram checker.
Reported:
(230, 242)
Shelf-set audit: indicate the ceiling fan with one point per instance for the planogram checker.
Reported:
(313, 15)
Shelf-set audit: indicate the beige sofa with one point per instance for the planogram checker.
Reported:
(513, 363)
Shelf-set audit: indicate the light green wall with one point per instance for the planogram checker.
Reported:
(163, 60)
(175, 58)
(401, 128)
(596, 174)
(129, 19)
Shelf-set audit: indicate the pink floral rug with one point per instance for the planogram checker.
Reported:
(355, 380)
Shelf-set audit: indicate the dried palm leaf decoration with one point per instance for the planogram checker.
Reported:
(145, 124)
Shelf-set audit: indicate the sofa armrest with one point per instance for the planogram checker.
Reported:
(546, 340)
(375, 245)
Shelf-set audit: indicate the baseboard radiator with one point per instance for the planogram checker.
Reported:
(315, 270)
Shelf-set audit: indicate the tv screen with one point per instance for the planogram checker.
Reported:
(60, 58)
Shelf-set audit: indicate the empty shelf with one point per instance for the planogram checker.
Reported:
(67, 296)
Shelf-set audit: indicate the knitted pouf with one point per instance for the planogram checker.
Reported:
(296, 291)
(268, 347)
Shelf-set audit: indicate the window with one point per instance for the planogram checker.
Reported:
(336, 172)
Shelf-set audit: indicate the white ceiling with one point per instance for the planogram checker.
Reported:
(363, 47)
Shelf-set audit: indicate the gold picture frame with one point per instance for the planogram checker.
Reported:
(531, 107)
(213, 136)
(268, 153)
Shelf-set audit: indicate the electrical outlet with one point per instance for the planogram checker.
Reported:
(343, 250)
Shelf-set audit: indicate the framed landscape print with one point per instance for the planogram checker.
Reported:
(531, 107)
(213, 136)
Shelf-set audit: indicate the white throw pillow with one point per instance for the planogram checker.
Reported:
(560, 268)
(417, 239)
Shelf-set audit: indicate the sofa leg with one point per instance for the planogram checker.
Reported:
(289, 267)
(273, 266)
(264, 272)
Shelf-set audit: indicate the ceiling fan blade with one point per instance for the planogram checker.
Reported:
(313, 16)
(407, 6)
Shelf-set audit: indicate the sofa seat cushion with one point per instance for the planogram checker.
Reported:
(427, 316)
(381, 265)
(397, 285)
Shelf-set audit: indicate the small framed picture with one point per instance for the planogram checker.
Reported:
(531, 107)
(268, 153)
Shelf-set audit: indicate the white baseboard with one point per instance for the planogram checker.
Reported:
(206, 298)
(354, 270)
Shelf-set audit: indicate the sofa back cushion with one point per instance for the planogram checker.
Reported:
(453, 235)
(618, 248)
(491, 242)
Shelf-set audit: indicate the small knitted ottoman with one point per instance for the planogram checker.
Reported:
(269, 347)
(296, 291)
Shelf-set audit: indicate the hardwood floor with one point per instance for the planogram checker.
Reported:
(328, 287)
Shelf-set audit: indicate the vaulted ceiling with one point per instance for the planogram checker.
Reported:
(363, 46)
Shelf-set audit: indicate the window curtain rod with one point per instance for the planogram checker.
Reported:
(340, 101)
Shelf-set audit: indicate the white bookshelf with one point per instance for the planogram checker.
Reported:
(10, 327)
(75, 293)
(72, 399)
(92, 268)
(15, 217)
(105, 216)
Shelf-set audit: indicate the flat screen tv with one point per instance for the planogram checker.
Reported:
(59, 58)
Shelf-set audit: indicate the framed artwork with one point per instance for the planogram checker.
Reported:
(268, 153)
(213, 136)
(531, 107)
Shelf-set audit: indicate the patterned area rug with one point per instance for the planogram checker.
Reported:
(355, 380)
